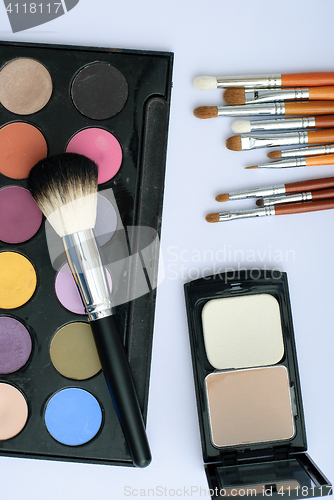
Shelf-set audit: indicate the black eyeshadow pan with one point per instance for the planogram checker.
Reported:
(99, 91)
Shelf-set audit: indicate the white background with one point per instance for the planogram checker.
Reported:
(208, 37)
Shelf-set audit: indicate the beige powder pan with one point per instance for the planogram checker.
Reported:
(250, 406)
(243, 331)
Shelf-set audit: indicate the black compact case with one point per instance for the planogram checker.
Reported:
(277, 468)
(131, 255)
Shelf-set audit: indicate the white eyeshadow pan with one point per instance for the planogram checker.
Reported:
(243, 331)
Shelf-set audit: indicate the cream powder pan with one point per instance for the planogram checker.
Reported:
(250, 406)
(243, 331)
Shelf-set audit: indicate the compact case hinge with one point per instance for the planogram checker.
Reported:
(228, 458)
(281, 452)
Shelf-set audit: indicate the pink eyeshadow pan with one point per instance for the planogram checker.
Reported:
(20, 216)
(67, 292)
(100, 146)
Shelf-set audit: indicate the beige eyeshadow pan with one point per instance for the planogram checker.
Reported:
(250, 406)
(25, 86)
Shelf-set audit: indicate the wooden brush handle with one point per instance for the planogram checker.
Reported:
(324, 121)
(312, 184)
(307, 79)
(321, 136)
(309, 108)
(321, 93)
(323, 194)
(312, 161)
(297, 187)
(304, 206)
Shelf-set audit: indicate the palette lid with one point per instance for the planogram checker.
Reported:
(296, 477)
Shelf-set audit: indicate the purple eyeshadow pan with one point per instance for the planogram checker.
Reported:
(20, 216)
(67, 291)
(15, 345)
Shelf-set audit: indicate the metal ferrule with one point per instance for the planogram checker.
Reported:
(85, 262)
(291, 198)
(317, 150)
(293, 162)
(268, 95)
(262, 109)
(254, 81)
(257, 192)
(245, 214)
(270, 140)
(282, 124)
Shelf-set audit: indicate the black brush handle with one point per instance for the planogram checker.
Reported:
(117, 372)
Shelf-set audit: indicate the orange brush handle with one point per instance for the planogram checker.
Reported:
(307, 79)
(321, 136)
(321, 93)
(312, 161)
(309, 108)
(304, 206)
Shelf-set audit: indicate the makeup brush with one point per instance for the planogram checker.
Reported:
(308, 151)
(267, 109)
(265, 81)
(252, 96)
(65, 189)
(289, 208)
(292, 187)
(246, 126)
(319, 194)
(245, 142)
(300, 161)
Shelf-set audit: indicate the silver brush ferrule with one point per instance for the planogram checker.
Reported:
(291, 198)
(253, 96)
(257, 192)
(85, 262)
(317, 150)
(255, 81)
(293, 162)
(282, 124)
(246, 214)
(261, 109)
(270, 140)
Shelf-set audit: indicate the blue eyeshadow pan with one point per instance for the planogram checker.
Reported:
(73, 416)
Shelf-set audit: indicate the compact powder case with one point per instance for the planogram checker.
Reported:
(247, 387)
(111, 105)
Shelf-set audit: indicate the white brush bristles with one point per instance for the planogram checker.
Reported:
(73, 217)
(241, 126)
(205, 82)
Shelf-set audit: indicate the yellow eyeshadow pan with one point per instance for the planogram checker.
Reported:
(18, 280)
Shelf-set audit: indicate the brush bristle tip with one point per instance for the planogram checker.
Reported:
(222, 197)
(234, 143)
(205, 82)
(212, 217)
(241, 127)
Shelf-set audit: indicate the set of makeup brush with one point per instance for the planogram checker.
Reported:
(292, 198)
(308, 98)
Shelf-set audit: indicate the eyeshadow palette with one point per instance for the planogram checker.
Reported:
(247, 386)
(111, 105)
